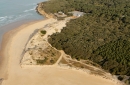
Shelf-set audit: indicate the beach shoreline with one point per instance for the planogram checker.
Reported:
(6, 28)
(13, 44)
(4, 43)
(13, 49)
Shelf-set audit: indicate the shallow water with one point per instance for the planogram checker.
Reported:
(13, 13)
(16, 10)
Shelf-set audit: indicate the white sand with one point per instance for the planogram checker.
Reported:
(41, 75)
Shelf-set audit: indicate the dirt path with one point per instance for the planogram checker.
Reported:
(62, 54)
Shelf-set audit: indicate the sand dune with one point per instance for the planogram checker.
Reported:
(41, 75)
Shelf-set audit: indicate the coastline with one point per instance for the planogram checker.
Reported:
(7, 35)
(50, 73)
(47, 73)
(8, 31)
(40, 11)
(9, 41)
(6, 28)
(4, 43)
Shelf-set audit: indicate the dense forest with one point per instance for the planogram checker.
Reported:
(102, 35)
(83, 37)
(95, 7)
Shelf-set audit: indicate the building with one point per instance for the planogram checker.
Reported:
(77, 13)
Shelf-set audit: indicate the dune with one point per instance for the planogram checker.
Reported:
(15, 42)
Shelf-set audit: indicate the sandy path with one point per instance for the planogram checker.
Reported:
(62, 53)
(42, 75)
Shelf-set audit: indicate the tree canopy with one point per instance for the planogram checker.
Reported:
(102, 35)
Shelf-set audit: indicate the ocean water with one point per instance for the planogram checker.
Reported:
(16, 10)
(13, 13)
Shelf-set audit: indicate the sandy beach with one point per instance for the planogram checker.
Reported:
(12, 47)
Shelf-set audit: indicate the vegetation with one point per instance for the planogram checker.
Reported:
(52, 61)
(96, 7)
(41, 62)
(43, 32)
(114, 56)
(60, 18)
(129, 81)
(102, 35)
(82, 66)
(81, 39)
(46, 56)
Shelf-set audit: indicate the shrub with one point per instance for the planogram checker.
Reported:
(43, 32)
(52, 61)
(41, 61)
